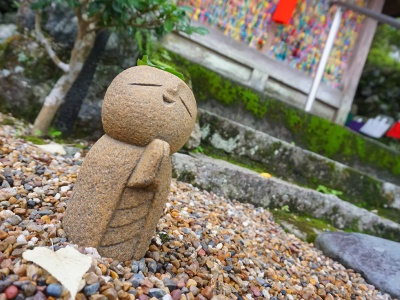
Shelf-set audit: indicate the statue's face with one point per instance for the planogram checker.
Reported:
(144, 103)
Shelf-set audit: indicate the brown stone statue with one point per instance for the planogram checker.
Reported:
(119, 196)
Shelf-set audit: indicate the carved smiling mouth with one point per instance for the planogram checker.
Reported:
(184, 104)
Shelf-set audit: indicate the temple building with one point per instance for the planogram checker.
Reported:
(277, 51)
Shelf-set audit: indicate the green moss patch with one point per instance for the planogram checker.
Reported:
(35, 140)
(306, 224)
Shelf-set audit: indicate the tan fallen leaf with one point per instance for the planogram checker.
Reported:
(67, 265)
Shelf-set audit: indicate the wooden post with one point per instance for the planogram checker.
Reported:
(324, 58)
(357, 62)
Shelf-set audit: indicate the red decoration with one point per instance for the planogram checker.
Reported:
(394, 132)
(284, 11)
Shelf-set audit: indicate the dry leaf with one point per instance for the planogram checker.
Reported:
(67, 265)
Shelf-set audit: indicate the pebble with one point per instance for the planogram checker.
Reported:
(190, 283)
(28, 289)
(11, 292)
(4, 284)
(110, 293)
(194, 290)
(142, 264)
(19, 297)
(135, 266)
(152, 266)
(91, 289)
(91, 278)
(206, 247)
(157, 293)
(39, 296)
(54, 290)
(170, 284)
(21, 239)
(207, 292)
(14, 220)
(176, 294)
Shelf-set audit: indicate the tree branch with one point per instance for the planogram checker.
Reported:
(149, 25)
(93, 19)
(95, 29)
(42, 39)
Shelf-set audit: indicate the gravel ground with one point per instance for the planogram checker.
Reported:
(206, 247)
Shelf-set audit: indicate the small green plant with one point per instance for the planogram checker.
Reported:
(22, 57)
(54, 133)
(285, 208)
(80, 146)
(145, 61)
(323, 189)
(164, 237)
(199, 149)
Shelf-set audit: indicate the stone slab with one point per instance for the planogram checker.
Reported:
(244, 185)
(376, 259)
(293, 163)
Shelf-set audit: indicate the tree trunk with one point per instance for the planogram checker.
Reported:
(51, 104)
(83, 44)
(69, 110)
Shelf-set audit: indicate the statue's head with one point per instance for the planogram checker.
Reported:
(144, 103)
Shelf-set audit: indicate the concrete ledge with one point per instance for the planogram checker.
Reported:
(247, 186)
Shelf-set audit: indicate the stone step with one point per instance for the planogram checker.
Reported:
(378, 260)
(239, 183)
(284, 160)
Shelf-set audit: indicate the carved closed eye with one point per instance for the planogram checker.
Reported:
(145, 84)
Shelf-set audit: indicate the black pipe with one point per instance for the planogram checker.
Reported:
(369, 13)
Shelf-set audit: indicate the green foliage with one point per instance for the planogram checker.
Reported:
(145, 41)
(160, 16)
(387, 39)
(163, 236)
(285, 208)
(199, 149)
(145, 61)
(323, 189)
(54, 133)
(378, 91)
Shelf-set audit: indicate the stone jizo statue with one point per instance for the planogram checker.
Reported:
(147, 114)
